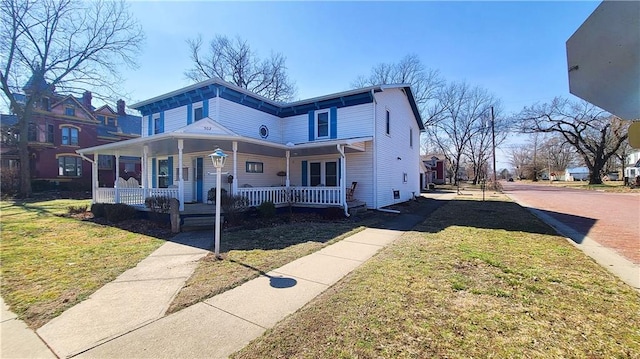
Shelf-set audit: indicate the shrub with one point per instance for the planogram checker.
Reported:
(211, 195)
(76, 209)
(232, 206)
(158, 204)
(9, 181)
(98, 210)
(267, 209)
(119, 212)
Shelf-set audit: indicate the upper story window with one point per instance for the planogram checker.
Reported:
(101, 118)
(32, 136)
(50, 133)
(70, 111)
(45, 103)
(197, 114)
(105, 162)
(69, 136)
(157, 125)
(322, 124)
(388, 123)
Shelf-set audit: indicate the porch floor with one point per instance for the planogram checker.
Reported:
(210, 209)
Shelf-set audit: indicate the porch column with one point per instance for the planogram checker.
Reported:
(94, 178)
(235, 168)
(287, 183)
(343, 176)
(117, 175)
(180, 177)
(144, 176)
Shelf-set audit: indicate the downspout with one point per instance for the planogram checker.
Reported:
(343, 175)
(94, 176)
(375, 156)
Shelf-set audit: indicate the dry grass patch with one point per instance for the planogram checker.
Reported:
(476, 279)
(248, 253)
(50, 263)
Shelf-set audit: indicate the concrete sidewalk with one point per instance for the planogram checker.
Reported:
(124, 319)
(17, 340)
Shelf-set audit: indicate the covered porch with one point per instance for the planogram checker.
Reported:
(177, 165)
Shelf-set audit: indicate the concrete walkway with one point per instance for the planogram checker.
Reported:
(17, 340)
(124, 319)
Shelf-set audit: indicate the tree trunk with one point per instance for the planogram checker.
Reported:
(25, 158)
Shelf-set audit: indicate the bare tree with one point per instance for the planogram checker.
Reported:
(232, 60)
(520, 157)
(65, 45)
(595, 134)
(466, 108)
(487, 133)
(426, 84)
(559, 153)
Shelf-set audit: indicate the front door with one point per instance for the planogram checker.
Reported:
(198, 175)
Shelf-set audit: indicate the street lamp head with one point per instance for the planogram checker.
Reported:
(218, 157)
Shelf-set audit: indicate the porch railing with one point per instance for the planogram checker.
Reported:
(132, 196)
(295, 195)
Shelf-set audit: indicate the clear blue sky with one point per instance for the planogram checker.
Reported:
(514, 49)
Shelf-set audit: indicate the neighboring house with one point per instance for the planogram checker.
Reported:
(435, 169)
(632, 169)
(576, 174)
(319, 146)
(60, 125)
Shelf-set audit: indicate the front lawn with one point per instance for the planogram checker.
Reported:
(50, 263)
(476, 279)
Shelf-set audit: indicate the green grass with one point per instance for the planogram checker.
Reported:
(49, 262)
(476, 279)
(248, 253)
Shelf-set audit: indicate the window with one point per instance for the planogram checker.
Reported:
(157, 125)
(33, 132)
(101, 119)
(405, 177)
(331, 174)
(323, 124)
(388, 123)
(50, 132)
(105, 162)
(70, 136)
(129, 167)
(163, 173)
(411, 137)
(254, 167)
(197, 114)
(315, 175)
(45, 103)
(69, 166)
(70, 111)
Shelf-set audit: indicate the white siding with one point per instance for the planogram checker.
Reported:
(394, 156)
(360, 169)
(175, 118)
(352, 121)
(246, 121)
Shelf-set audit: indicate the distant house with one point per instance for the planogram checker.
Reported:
(632, 169)
(576, 174)
(61, 124)
(435, 170)
(308, 152)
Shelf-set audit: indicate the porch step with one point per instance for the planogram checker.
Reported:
(198, 223)
(356, 207)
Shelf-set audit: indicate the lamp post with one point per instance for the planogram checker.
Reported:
(218, 157)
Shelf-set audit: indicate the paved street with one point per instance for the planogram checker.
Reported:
(611, 219)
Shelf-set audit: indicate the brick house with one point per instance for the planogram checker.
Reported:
(61, 124)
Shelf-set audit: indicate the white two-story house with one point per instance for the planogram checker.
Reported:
(309, 152)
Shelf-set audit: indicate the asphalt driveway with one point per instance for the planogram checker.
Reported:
(611, 219)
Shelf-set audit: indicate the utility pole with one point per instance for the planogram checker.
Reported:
(493, 144)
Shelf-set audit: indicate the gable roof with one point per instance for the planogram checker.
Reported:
(78, 104)
(218, 88)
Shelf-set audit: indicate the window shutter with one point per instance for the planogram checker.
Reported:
(333, 123)
(304, 172)
(161, 130)
(189, 114)
(154, 173)
(312, 125)
(150, 125)
(170, 170)
(205, 108)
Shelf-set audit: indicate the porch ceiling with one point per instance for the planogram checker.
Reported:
(167, 144)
